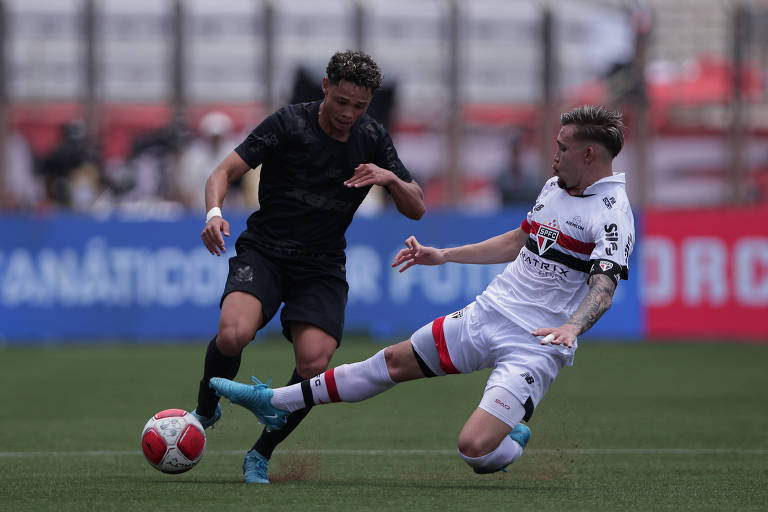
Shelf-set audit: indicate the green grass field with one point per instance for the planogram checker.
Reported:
(629, 427)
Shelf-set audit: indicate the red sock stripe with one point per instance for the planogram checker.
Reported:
(330, 383)
(442, 348)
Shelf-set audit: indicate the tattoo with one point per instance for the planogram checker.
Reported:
(596, 302)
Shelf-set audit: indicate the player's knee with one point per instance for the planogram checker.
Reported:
(231, 339)
(473, 446)
(402, 364)
(394, 367)
(309, 367)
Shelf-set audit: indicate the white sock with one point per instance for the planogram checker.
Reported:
(289, 398)
(506, 453)
(346, 383)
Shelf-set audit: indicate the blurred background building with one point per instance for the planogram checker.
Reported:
(474, 90)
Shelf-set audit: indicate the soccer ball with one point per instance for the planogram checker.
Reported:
(173, 441)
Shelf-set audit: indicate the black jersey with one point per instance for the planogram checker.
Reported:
(304, 206)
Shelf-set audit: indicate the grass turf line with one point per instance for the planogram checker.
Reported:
(617, 397)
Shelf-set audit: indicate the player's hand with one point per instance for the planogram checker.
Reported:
(417, 254)
(212, 235)
(369, 174)
(563, 335)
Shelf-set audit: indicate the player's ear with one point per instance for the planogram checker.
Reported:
(589, 154)
(325, 86)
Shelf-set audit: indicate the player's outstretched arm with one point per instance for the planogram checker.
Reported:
(501, 248)
(417, 254)
(498, 249)
(596, 302)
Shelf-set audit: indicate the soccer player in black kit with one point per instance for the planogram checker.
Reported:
(319, 160)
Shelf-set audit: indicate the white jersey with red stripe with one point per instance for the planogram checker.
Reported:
(567, 235)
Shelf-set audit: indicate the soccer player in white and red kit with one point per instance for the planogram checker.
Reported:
(566, 260)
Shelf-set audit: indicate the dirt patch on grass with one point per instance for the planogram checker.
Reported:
(293, 467)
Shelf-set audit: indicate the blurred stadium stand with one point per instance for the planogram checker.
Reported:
(512, 67)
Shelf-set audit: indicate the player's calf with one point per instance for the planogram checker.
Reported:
(508, 451)
(486, 443)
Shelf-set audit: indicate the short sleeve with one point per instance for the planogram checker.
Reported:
(614, 239)
(263, 141)
(387, 158)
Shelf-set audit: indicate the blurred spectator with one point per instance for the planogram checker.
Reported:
(517, 182)
(215, 140)
(22, 187)
(147, 176)
(72, 170)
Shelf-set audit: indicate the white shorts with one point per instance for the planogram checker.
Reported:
(499, 402)
(475, 338)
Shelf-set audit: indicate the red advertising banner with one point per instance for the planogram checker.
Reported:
(706, 274)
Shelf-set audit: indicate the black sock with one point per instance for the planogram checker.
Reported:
(270, 439)
(216, 365)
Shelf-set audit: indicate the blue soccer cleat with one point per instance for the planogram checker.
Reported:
(206, 421)
(255, 468)
(254, 397)
(521, 434)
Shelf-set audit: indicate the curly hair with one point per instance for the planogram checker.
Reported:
(597, 123)
(356, 67)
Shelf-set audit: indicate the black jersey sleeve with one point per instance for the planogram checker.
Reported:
(386, 156)
(263, 141)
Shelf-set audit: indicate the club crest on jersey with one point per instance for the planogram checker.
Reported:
(606, 265)
(546, 238)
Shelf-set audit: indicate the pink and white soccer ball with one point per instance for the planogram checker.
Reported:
(173, 441)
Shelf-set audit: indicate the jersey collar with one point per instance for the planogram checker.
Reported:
(618, 177)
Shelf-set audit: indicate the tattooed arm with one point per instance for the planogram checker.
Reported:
(596, 302)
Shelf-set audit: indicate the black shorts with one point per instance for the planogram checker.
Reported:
(313, 289)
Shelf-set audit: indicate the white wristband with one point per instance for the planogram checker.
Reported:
(213, 212)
